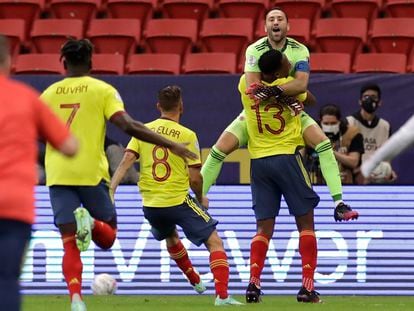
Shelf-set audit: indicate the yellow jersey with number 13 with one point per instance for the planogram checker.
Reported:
(271, 127)
(85, 104)
(164, 178)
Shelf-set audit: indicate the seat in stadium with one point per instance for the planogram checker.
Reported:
(310, 9)
(341, 35)
(84, 10)
(38, 64)
(393, 35)
(191, 9)
(381, 62)
(253, 9)
(399, 8)
(351, 8)
(14, 30)
(112, 64)
(330, 62)
(115, 35)
(154, 64)
(27, 10)
(138, 9)
(48, 35)
(226, 35)
(216, 63)
(171, 35)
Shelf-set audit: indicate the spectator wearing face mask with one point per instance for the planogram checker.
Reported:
(375, 130)
(347, 143)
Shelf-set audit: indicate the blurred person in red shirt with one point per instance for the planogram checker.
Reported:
(24, 119)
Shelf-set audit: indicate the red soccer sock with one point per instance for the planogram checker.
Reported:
(72, 265)
(220, 269)
(308, 251)
(180, 256)
(258, 251)
(103, 234)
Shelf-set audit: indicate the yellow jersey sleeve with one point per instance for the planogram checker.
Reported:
(113, 102)
(133, 145)
(194, 147)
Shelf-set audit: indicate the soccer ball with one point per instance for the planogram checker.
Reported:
(381, 173)
(103, 284)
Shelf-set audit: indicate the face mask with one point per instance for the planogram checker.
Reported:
(369, 104)
(332, 131)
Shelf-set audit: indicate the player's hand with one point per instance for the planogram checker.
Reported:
(182, 151)
(259, 92)
(204, 202)
(295, 106)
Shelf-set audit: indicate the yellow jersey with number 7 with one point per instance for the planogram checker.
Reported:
(271, 128)
(85, 104)
(164, 178)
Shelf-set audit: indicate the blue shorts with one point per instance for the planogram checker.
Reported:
(96, 199)
(274, 176)
(193, 218)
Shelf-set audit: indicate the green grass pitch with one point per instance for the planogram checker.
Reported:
(205, 303)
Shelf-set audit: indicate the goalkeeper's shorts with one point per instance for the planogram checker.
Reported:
(239, 127)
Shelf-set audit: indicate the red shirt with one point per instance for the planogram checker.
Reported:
(23, 120)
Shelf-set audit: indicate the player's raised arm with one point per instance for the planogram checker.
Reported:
(141, 132)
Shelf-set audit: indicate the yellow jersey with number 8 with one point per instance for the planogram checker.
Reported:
(85, 104)
(164, 179)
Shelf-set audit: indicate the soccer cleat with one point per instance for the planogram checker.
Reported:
(308, 296)
(78, 306)
(253, 293)
(229, 301)
(344, 212)
(83, 228)
(199, 287)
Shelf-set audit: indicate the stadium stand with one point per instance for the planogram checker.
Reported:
(226, 35)
(192, 9)
(310, 9)
(211, 63)
(27, 10)
(399, 8)
(253, 9)
(393, 35)
(115, 35)
(38, 64)
(381, 62)
(170, 35)
(84, 10)
(351, 8)
(48, 35)
(154, 64)
(341, 35)
(14, 30)
(330, 62)
(108, 64)
(136, 9)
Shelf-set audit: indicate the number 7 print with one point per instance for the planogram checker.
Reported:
(75, 108)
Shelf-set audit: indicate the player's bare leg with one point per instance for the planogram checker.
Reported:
(316, 139)
(179, 254)
(226, 144)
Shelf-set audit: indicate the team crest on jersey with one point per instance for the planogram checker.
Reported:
(251, 60)
(118, 97)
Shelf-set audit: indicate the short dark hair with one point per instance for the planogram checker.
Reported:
(169, 97)
(276, 8)
(270, 61)
(371, 86)
(330, 110)
(4, 49)
(77, 52)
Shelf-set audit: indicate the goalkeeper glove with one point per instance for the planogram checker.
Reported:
(259, 92)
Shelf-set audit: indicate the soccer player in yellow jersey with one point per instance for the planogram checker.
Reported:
(164, 183)
(85, 104)
(276, 170)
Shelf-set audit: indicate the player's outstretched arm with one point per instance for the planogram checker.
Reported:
(126, 162)
(141, 132)
(310, 99)
(196, 183)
